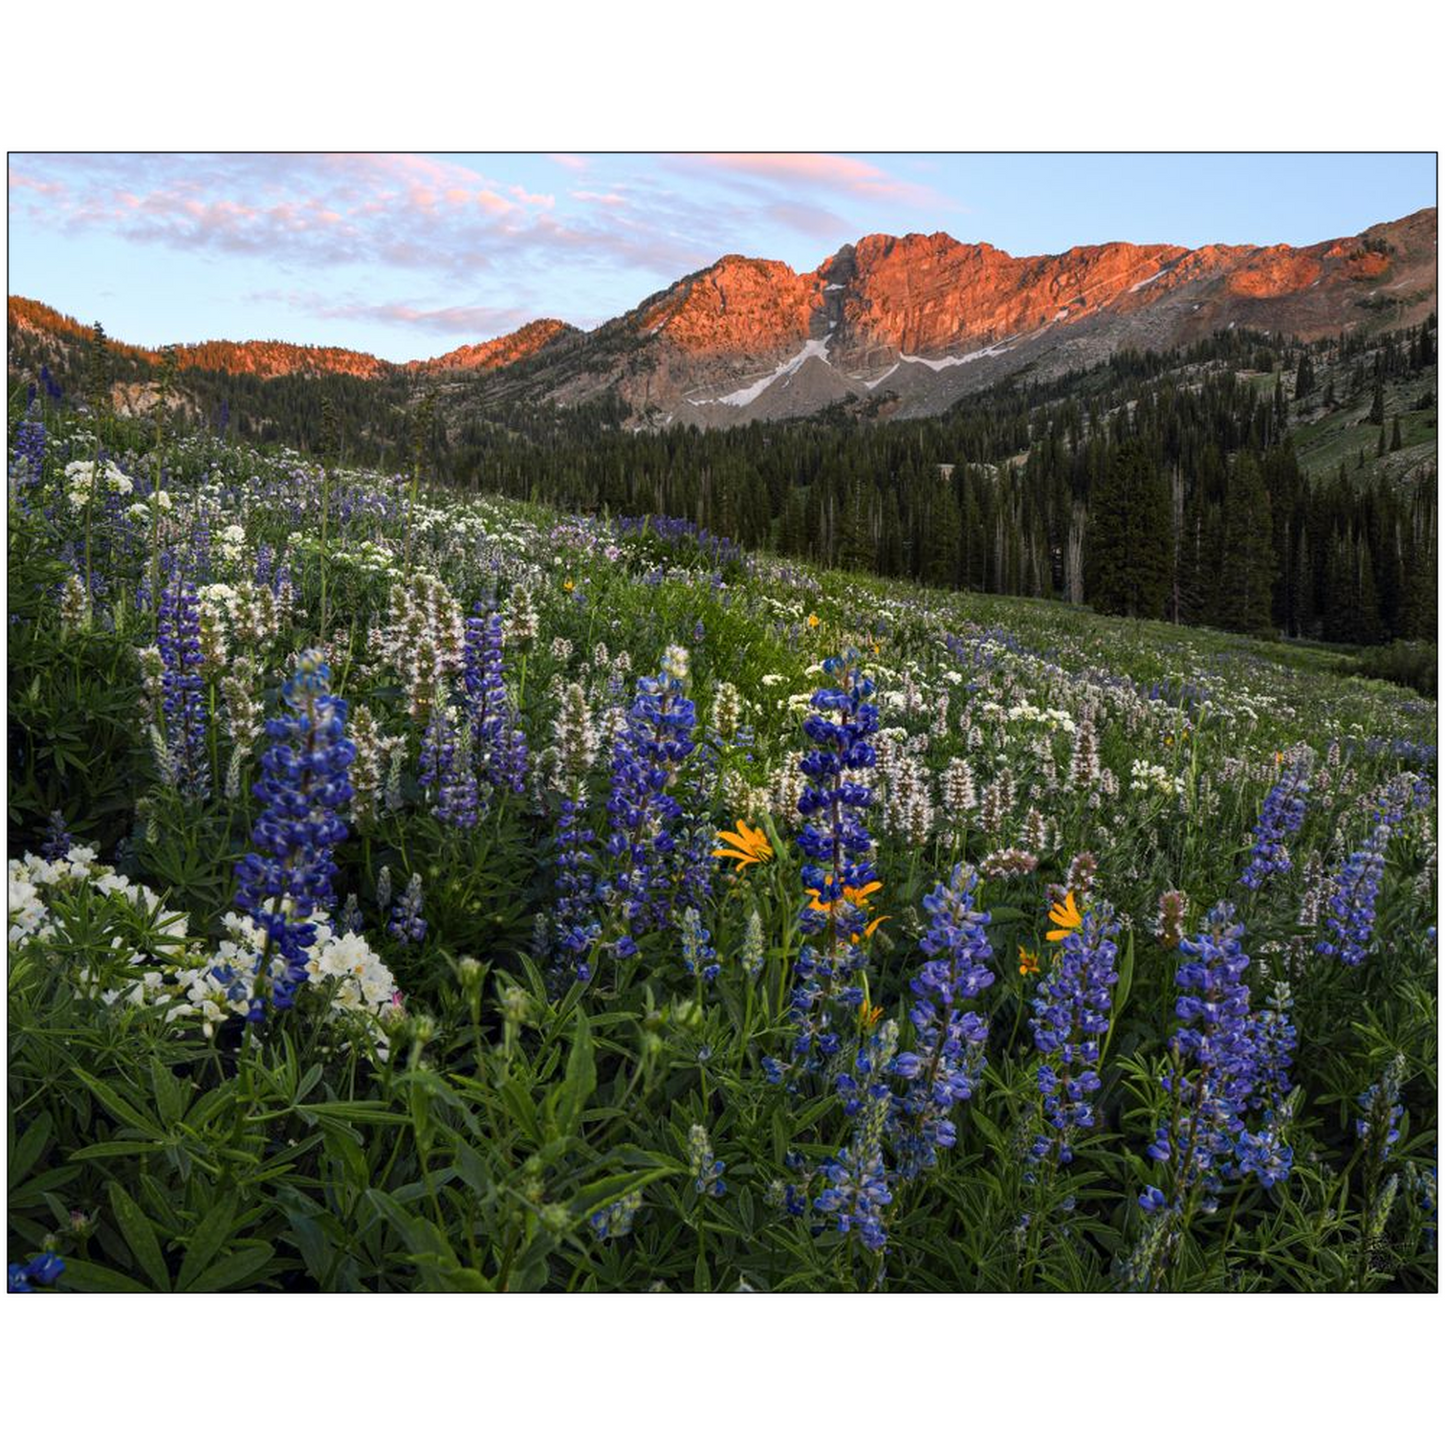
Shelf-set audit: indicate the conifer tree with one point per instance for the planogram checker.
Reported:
(1127, 568)
(1304, 377)
(1248, 561)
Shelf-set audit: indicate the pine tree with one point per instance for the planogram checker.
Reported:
(1130, 546)
(1248, 563)
(1304, 378)
(1396, 441)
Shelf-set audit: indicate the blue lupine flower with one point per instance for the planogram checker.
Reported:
(577, 926)
(858, 1188)
(1281, 817)
(1265, 1153)
(615, 1221)
(28, 457)
(445, 764)
(1071, 1016)
(1219, 1038)
(407, 923)
(43, 1270)
(1350, 912)
(499, 746)
(178, 638)
(944, 1069)
(1274, 1044)
(698, 955)
(643, 814)
(1429, 1201)
(58, 841)
(706, 1171)
(839, 868)
(1379, 1127)
(349, 920)
(304, 787)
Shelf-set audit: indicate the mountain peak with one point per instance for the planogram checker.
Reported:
(904, 325)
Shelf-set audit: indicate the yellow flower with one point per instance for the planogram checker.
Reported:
(569, 585)
(1028, 962)
(871, 929)
(858, 897)
(868, 1015)
(747, 845)
(812, 619)
(1067, 916)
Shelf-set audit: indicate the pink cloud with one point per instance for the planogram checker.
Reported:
(846, 174)
(477, 321)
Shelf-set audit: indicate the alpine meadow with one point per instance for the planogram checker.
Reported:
(917, 774)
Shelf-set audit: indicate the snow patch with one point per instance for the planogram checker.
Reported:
(1147, 281)
(833, 286)
(937, 364)
(786, 368)
(871, 384)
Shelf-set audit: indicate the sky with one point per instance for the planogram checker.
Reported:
(408, 255)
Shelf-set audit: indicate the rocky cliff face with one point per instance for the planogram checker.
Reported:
(501, 351)
(910, 323)
(907, 323)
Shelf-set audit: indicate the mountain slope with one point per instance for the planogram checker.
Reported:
(896, 326)
(914, 322)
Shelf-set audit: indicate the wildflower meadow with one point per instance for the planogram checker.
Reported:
(411, 890)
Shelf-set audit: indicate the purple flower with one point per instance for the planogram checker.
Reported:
(1071, 1016)
(304, 786)
(643, 814)
(1280, 817)
(944, 1068)
(178, 638)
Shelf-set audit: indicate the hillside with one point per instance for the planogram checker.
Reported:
(466, 895)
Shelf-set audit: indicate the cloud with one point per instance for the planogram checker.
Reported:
(470, 321)
(319, 212)
(816, 221)
(845, 175)
(345, 228)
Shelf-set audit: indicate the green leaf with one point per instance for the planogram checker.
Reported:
(81, 1274)
(580, 1081)
(210, 1235)
(233, 1269)
(140, 1236)
(119, 1149)
(356, 1113)
(30, 1147)
(125, 1112)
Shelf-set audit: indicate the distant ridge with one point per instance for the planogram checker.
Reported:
(902, 324)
